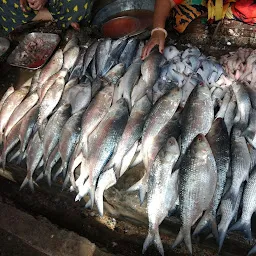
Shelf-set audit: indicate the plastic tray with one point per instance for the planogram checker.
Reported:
(34, 51)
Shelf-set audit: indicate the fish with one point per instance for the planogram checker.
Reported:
(34, 156)
(128, 81)
(34, 81)
(248, 207)
(171, 52)
(228, 211)
(53, 130)
(52, 67)
(78, 65)
(21, 111)
(243, 103)
(219, 142)
(197, 183)
(70, 57)
(129, 52)
(250, 132)
(161, 182)
(10, 142)
(158, 119)
(94, 114)
(114, 74)
(224, 106)
(116, 49)
(69, 137)
(50, 82)
(197, 116)
(10, 104)
(230, 114)
(71, 43)
(102, 54)
(240, 163)
(102, 144)
(50, 100)
(8, 92)
(82, 99)
(131, 134)
(89, 55)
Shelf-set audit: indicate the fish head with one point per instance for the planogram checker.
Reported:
(122, 103)
(172, 148)
(201, 146)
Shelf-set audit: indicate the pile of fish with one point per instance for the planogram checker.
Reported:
(96, 110)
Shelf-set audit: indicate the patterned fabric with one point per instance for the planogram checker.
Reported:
(64, 13)
(183, 14)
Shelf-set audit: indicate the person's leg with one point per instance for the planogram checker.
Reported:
(12, 16)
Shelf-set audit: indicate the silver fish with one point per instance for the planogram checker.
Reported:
(219, 142)
(197, 183)
(102, 144)
(250, 131)
(230, 114)
(69, 57)
(197, 116)
(248, 207)
(161, 182)
(9, 91)
(10, 104)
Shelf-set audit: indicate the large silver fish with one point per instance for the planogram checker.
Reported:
(219, 141)
(69, 57)
(10, 104)
(248, 207)
(162, 192)
(197, 183)
(102, 143)
(250, 131)
(197, 116)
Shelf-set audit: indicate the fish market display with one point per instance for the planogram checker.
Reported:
(96, 110)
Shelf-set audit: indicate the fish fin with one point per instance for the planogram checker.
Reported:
(250, 137)
(187, 239)
(24, 183)
(207, 220)
(153, 237)
(92, 195)
(141, 185)
(222, 235)
(65, 183)
(178, 240)
(232, 196)
(88, 205)
(57, 173)
(244, 227)
(84, 190)
(40, 176)
(106, 180)
(252, 251)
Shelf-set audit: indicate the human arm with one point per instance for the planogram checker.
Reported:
(161, 12)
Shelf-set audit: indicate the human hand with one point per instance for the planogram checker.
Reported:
(36, 4)
(75, 26)
(157, 38)
(23, 5)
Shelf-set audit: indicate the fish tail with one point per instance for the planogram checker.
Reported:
(4, 154)
(252, 251)
(141, 185)
(65, 183)
(88, 204)
(245, 227)
(208, 220)
(58, 173)
(20, 158)
(153, 237)
(250, 135)
(24, 183)
(222, 235)
(187, 239)
(84, 190)
(179, 239)
(92, 195)
(99, 199)
(40, 176)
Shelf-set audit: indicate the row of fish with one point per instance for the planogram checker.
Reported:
(96, 110)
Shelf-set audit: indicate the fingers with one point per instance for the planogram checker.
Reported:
(23, 5)
(161, 46)
(75, 26)
(147, 49)
(36, 4)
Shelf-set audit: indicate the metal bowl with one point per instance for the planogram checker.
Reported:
(4, 45)
(115, 7)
